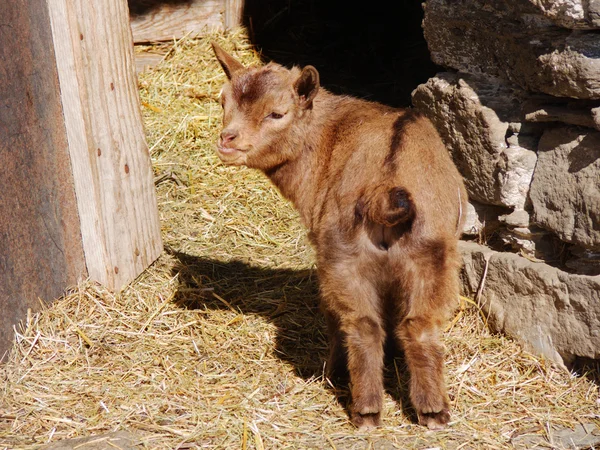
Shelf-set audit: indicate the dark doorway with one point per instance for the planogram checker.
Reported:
(374, 51)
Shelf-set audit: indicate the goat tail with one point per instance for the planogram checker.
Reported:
(386, 206)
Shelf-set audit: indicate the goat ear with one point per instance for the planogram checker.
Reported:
(229, 64)
(307, 86)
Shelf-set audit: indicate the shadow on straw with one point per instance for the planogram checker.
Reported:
(287, 298)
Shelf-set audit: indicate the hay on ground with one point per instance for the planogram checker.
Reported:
(220, 343)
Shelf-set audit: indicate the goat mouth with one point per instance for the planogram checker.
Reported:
(227, 151)
(230, 155)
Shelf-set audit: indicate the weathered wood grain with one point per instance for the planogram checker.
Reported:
(234, 10)
(146, 61)
(167, 21)
(111, 165)
(40, 242)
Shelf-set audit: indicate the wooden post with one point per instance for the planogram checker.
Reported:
(111, 165)
(40, 243)
(76, 182)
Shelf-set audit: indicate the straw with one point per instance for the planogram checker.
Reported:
(220, 344)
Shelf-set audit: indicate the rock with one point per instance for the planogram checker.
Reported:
(121, 439)
(584, 261)
(515, 170)
(519, 240)
(596, 117)
(571, 13)
(584, 436)
(533, 242)
(473, 225)
(570, 113)
(514, 41)
(565, 191)
(481, 219)
(474, 116)
(516, 219)
(552, 313)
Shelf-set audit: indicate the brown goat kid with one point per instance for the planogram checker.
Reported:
(383, 202)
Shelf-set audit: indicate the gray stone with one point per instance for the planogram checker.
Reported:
(596, 115)
(481, 220)
(552, 313)
(583, 436)
(565, 191)
(580, 14)
(531, 241)
(475, 116)
(110, 441)
(584, 261)
(518, 241)
(513, 40)
(473, 226)
(515, 170)
(518, 218)
(569, 113)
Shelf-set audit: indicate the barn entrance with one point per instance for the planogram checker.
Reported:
(377, 53)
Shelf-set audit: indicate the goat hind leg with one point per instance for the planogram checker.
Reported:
(337, 363)
(430, 295)
(425, 359)
(364, 342)
(355, 303)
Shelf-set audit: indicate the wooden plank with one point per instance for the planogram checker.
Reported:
(40, 242)
(110, 161)
(147, 61)
(161, 21)
(234, 10)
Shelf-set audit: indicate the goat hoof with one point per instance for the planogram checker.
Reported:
(366, 422)
(435, 420)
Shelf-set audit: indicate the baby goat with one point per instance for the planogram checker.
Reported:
(383, 203)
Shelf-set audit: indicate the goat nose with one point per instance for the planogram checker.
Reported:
(228, 136)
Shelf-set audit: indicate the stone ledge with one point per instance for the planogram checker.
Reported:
(552, 313)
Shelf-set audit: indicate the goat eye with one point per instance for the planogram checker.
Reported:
(274, 115)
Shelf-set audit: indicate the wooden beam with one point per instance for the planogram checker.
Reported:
(77, 194)
(110, 161)
(40, 242)
(153, 20)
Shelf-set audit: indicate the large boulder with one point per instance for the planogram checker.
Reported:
(478, 119)
(551, 312)
(516, 41)
(565, 191)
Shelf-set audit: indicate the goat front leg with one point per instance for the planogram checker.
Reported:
(354, 303)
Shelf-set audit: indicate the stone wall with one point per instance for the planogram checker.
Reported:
(519, 109)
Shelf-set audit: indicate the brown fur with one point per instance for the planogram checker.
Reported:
(383, 202)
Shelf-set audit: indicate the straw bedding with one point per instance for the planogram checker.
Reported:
(220, 343)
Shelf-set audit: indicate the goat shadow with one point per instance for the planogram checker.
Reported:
(289, 299)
